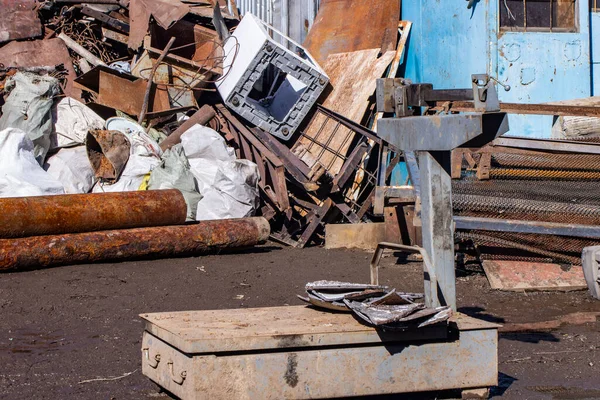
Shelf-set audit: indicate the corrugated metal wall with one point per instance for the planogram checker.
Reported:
(292, 17)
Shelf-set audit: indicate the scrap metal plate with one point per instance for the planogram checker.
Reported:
(522, 276)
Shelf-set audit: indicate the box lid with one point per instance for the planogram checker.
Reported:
(214, 331)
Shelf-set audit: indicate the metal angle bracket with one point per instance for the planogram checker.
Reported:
(485, 96)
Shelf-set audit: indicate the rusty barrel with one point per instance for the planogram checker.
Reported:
(75, 213)
(163, 241)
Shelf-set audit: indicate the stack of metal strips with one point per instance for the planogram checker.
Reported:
(531, 186)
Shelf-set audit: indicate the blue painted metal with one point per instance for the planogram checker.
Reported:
(449, 42)
(595, 51)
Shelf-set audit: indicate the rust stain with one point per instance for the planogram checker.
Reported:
(291, 373)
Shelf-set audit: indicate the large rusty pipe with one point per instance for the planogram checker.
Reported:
(163, 241)
(75, 213)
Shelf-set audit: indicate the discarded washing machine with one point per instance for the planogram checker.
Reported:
(265, 83)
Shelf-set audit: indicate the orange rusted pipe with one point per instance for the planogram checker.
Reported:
(74, 213)
(159, 242)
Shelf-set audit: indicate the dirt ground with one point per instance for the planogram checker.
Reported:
(62, 327)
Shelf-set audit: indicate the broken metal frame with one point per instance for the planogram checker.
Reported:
(322, 196)
(271, 168)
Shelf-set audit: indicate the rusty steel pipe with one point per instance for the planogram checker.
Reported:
(75, 213)
(159, 242)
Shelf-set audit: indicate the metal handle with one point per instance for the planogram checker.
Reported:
(156, 358)
(179, 379)
(505, 86)
(410, 249)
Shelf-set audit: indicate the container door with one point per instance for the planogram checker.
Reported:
(543, 49)
(448, 42)
(595, 45)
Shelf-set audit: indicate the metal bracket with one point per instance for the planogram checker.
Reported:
(485, 97)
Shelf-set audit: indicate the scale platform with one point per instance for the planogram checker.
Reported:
(298, 352)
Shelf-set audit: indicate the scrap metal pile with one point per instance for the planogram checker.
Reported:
(509, 183)
(118, 96)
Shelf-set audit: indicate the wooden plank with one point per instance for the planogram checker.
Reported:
(353, 77)
(355, 236)
(529, 276)
(567, 126)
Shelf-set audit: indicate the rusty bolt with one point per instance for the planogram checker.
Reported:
(322, 81)
(285, 131)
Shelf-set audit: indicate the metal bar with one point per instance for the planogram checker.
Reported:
(519, 226)
(112, 22)
(296, 167)
(413, 171)
(79, 49)
(245, 132)
(73, 213)
(280, 186)
(449, 95)
(315, 221)
(438, 230)
(165, 241)
(150, 78)
(347, 212)
(349, 167)
(350, 124)
(553, 145)
(374, 266)
(535, 109)
(201, 117)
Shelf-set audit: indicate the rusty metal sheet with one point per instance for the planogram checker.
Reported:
(177, 80)
(522, 276)
(108, 152)
(162, 241)
(124, 92)
(344, 26)
(74, 213)
(19, 20)
(41, 53)
(165, 13)
(192, 41)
